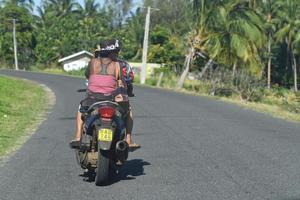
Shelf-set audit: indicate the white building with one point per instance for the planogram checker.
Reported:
(76, 61)
(137, 67)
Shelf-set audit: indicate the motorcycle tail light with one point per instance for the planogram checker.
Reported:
(106, 111)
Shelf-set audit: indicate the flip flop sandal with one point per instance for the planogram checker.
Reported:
(134, 146)
(74, 144)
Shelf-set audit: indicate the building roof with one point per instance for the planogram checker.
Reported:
(75, 55)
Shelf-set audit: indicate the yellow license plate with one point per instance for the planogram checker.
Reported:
(105, 135)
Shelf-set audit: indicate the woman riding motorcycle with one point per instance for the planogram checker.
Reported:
(105, 76)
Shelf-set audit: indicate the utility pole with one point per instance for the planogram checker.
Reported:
(15, 44)
(145, 46)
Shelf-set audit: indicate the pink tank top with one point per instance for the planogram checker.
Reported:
(104, 84)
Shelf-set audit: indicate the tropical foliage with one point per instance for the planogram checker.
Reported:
(260, 38)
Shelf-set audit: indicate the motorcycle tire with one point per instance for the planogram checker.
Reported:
(102, 170)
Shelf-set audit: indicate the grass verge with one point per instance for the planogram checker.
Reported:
(22, 103)
(60, 71)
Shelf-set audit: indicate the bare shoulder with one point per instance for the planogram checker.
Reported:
(94, 60)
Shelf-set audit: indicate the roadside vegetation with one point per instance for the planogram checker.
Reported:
(21, 105)
(246, 51)
(244, 91)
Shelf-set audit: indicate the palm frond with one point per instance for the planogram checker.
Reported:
(283, 32)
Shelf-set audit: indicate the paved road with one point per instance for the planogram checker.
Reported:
(193, 148)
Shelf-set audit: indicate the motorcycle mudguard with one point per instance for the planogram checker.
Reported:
(104, 145)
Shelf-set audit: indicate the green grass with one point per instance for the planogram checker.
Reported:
(60, 71)
(54, 71)
(21, 103)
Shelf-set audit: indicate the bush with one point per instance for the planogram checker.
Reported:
(222, 83)
(248, 87)
(77, 72)
(37, 67)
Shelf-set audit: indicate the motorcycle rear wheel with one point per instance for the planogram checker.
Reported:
(102, 170)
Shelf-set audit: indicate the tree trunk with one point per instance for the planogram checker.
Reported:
(160, 79)
(234, 69)
(207, 65)
(137, 55)
(295, 73)
(288, 60)
(187, 63)
(269, 62)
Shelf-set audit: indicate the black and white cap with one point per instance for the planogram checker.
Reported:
(109, 45)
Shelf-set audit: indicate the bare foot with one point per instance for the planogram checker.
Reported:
(132, 144)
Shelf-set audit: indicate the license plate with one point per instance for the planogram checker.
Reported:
(105, 135)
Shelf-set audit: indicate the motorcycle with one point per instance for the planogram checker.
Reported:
(102, 145)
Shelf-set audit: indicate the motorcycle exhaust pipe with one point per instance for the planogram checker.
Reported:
(122, 146)
(122, 150)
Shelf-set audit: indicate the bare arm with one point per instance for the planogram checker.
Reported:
(87, 71)
(120, 82)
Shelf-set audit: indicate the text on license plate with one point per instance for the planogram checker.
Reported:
(105, 135)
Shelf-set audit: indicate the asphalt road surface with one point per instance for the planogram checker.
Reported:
(192, 148)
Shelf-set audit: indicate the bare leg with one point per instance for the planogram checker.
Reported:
(129, 127)
(79, 124)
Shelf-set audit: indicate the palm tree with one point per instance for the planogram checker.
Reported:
(61, 8)
(126, 5)
(197, 37)
(90, 8)
(288, 32)
(119, 9)
(135, 29)
(269, 8)
(203, 9)
(28, 4)
(88, 19)
(235, 34)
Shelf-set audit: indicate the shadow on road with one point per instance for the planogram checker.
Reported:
(130, 170)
